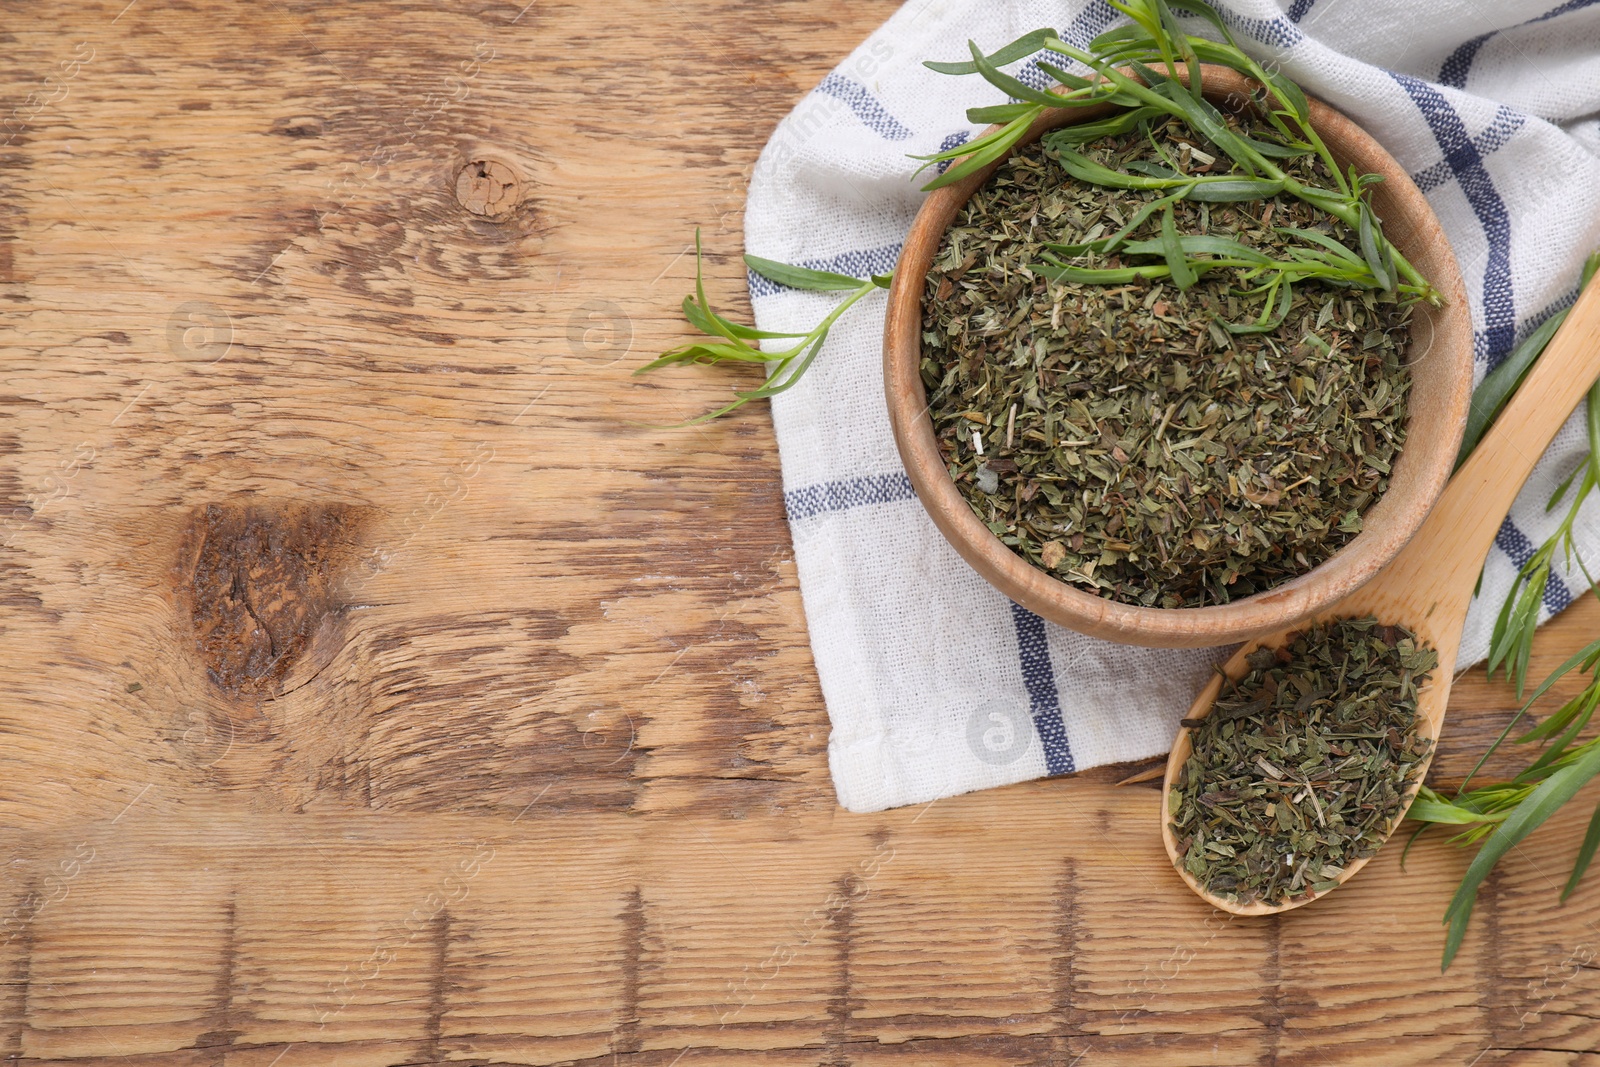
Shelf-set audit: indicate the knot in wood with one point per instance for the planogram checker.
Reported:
(488, 188)
(300, 126)
(260, 581)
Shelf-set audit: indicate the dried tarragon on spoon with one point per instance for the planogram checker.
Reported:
(1303, 765)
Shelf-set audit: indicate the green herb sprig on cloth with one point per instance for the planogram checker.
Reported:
(730, 341)
(1512, 638)
(1491, 395)
(1498, 817)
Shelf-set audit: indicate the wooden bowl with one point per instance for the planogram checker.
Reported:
(1439, 354)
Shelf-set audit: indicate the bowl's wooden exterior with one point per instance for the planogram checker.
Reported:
(1440, 356)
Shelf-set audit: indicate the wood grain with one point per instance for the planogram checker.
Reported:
(532, 766)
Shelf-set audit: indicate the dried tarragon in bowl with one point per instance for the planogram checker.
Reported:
(1303, 765)
(1124, 437)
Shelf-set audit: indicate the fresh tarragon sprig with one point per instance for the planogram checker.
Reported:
(730, 341)
(1185, 258)
(1494, 392)
(1511, 641)
(1502, 815)
(1155, 38)
(1512, 638)
(1498, 817)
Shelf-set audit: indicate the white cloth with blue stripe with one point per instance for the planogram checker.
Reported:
(935, 683)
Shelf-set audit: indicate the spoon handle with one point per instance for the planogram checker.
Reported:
(1448, 551)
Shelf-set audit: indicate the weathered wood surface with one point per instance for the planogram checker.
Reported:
(318, 324)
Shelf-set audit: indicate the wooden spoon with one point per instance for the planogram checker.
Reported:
(1428, 586)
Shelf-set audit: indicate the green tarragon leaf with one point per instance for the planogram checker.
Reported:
(801, 277)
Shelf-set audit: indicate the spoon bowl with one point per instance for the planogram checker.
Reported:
(1428, 587)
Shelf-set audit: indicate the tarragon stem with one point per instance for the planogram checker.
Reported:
(1502, 815)
(731, 340)
(1142, 89)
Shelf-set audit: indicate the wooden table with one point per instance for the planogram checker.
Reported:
(379, 688)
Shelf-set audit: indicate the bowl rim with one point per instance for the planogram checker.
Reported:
(1347, 569)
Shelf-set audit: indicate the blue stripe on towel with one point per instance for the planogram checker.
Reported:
(1033, 644)
(1454, 70)
(959, 137)
(813, 500)
(1299, 9)
(1459, 63)
(1505, 124)
(1467, 169)
(1279, 33)
(1514, 543)
(872, 114)
(1044, 703)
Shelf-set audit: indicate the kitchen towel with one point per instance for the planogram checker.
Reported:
(935, 683)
